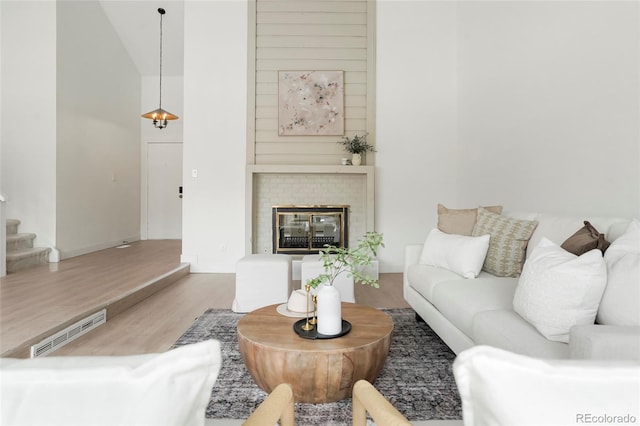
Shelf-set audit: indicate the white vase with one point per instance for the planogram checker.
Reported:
(329, 310)
(356, 159)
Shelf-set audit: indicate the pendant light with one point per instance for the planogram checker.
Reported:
(159, 116)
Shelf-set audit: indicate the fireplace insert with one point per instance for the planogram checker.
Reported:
(308, 229)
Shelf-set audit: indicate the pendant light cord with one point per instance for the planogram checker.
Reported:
(159, 116)
(161, 11)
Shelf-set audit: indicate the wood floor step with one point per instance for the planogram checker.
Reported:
(12, 226)
(16, 242)
(27, 258)
(18, 343)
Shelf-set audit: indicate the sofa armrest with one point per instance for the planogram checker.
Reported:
(604, 342)
(412, 254)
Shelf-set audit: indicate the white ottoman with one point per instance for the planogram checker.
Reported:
(261, 280)
(312, 266)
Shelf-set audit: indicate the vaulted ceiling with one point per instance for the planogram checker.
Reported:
(137, 23)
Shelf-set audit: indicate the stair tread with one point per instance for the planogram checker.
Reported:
(22, 253)
(19, 236)
(12, 226)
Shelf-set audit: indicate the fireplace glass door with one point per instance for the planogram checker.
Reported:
(307, 230)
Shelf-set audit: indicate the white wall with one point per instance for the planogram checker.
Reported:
(548, 106)
(29, 116)
(3, 228)
(215, 111)
(533, 105)
(98, 138)
(416, 121)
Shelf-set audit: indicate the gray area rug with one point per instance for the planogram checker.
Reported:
(417, 377)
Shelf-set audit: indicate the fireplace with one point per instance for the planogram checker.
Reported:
(307, 229)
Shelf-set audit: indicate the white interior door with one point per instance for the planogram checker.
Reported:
(164, 178)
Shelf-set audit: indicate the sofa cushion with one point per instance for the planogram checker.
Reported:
(558, 290)
(505, 329)
(461, 299)
(585, 239)
(171, 388)
(617, 228)
(424, 278)
(498, 387)
(620, 304)
(460, 221)
(559, 228)
(606, 342)
(508, 243)
(461, 254)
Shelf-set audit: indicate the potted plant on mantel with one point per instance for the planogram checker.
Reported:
(336, 261)
(357, 146)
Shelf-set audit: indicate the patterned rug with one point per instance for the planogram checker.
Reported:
(417, 377)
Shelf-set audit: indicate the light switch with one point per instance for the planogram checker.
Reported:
(194, 173)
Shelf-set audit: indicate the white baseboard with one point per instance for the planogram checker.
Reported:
(86, 250)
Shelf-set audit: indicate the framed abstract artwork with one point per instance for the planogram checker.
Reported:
(310, 103)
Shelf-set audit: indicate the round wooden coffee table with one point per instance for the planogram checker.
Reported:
(322, 370)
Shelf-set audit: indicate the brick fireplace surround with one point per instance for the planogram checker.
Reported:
(270, 185)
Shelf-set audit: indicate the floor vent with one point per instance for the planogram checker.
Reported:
(70, 333)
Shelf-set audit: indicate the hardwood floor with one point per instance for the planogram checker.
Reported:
(38, 302)
(153, 324)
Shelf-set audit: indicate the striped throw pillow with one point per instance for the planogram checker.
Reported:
(508, 242)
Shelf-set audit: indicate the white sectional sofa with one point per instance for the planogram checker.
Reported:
(480, 311)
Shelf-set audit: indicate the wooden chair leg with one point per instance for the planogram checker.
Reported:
(366, 398)
(277, 406)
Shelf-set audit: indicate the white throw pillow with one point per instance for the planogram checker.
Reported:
(461, 254)
(558, 290)
(171, 388)
(620, 303)
(502, 388)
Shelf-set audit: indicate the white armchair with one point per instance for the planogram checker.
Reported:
(277, 407)
(367, 399)
(503, 388)
(169, 388)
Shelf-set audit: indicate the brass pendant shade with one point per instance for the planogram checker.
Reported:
(159, 116)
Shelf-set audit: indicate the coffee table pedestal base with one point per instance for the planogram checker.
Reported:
(322, 370)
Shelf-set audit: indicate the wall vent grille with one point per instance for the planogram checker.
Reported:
(70, 333)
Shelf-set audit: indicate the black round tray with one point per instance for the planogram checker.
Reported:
(313, 333)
